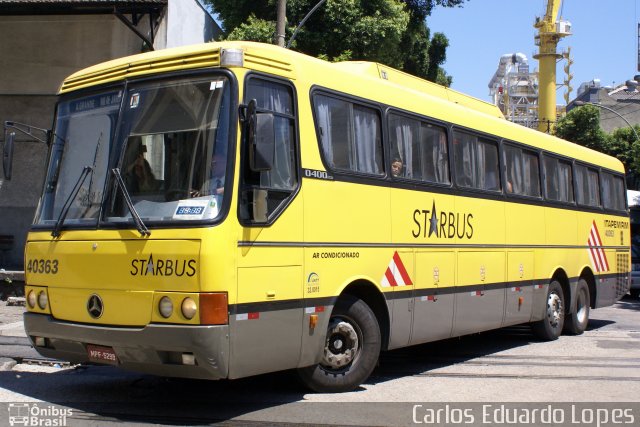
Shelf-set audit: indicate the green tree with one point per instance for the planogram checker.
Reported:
(392, 32)
(582, 126)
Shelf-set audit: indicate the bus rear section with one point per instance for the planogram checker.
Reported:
(633, 198)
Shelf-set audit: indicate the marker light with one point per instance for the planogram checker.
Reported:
(165, 306)
(231, 57)
(313, 321)
(189, 308)
(31, 299)
(214, 309)
(42, 300)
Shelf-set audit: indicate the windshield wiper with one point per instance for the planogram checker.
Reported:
(72, 196)
(144, 231)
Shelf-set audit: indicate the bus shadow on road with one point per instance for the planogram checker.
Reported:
(97, 393)
(628, 303)
(422, 360)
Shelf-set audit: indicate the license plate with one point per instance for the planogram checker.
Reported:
(100, 354)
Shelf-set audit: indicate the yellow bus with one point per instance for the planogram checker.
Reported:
(230, 209)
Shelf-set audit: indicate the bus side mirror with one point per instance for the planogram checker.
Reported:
(7, 154)
(261, 138)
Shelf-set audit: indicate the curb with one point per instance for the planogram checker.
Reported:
(7, 364)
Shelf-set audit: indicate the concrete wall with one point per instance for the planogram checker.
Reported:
(173, 32)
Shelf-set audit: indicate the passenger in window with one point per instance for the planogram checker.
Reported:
(509, 186)
(397, 167)
(140, 178)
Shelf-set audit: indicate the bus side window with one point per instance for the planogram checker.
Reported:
(351, 135)
(587, 186)
(531, 171)
(435, 157)
(522, 172)
(513, 164)
(550, 178)
(476, 162)
(558, 179)
(421, 147)
(613, 193)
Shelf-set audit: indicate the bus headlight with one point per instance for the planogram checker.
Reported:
(165, 306)
(189, 308)
(31, 299)
(42, 300)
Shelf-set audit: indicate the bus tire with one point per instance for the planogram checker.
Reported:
(576, 323)
(550, 328)
(351, 349)
(635, 293)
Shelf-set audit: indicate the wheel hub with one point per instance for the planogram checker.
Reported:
(581, 307)
(342, 345)
(554, 309)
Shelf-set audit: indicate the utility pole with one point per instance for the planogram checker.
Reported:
(281, 20)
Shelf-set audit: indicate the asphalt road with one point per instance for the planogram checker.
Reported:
(508, 365)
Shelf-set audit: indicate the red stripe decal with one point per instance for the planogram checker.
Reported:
(253, 316)
(390, 278)
(320, 309)
(603, 260)
(403, 271)
(596, 260)
(595, 227)
(604, 257)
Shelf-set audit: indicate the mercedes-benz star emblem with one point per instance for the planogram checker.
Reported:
(95, 306)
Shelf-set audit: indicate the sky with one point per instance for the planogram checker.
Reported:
(603, 43)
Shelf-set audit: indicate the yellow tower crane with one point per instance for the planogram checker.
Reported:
(550, 31)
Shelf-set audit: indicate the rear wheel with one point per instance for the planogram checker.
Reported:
(550, 327)
(576, 323)
(351, 349)
(635, 293)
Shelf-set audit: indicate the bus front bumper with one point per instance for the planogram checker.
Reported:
(166, 350)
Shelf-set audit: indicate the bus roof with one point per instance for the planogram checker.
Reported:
(354, 77)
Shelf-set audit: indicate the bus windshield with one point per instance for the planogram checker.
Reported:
(171, 150)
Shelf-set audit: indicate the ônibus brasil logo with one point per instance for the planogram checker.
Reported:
(34, 414)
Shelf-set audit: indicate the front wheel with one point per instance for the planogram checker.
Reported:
(550, 328)
(576, 323)
(351, 349)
